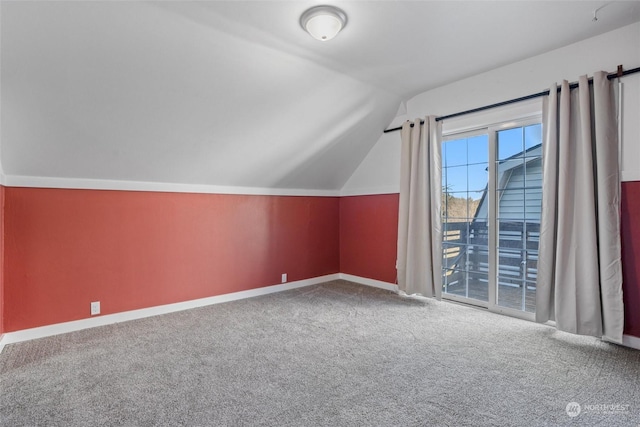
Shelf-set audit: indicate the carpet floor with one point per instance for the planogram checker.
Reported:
(335, 354)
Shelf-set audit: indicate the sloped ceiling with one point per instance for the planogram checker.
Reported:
(234, 93)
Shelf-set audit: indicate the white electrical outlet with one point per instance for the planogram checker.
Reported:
(95, 308)
(284, 277)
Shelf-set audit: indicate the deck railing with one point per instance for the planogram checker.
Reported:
(466, 251)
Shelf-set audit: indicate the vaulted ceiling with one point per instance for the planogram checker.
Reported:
(235, 93)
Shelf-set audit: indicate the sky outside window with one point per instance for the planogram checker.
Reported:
(465, 160)
(465, 163)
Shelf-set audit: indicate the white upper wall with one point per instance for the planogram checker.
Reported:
(177, 96)
(233, 96)
(379, 172)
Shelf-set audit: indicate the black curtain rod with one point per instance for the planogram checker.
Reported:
(574, 85)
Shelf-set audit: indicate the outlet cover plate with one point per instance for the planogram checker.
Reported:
(95, 308)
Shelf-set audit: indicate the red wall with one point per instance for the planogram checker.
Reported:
(65, 248)
(368, 236)
(630, 207)
(130, 250)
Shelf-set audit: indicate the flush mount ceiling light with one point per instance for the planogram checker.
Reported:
(323, 22)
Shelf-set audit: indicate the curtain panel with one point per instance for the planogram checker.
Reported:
(419, 220)
(579, 282)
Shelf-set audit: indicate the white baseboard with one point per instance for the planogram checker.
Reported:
(77, 325)
(370, 282)
(631, 341)
(627, 340)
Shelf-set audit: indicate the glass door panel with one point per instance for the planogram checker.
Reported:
(519, 195)
(465, 259)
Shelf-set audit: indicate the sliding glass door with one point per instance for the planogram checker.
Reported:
(491, 200)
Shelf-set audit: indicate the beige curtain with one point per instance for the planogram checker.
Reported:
(579, 281)
(419, 221)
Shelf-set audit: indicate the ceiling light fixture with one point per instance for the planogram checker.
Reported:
(323, 22)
